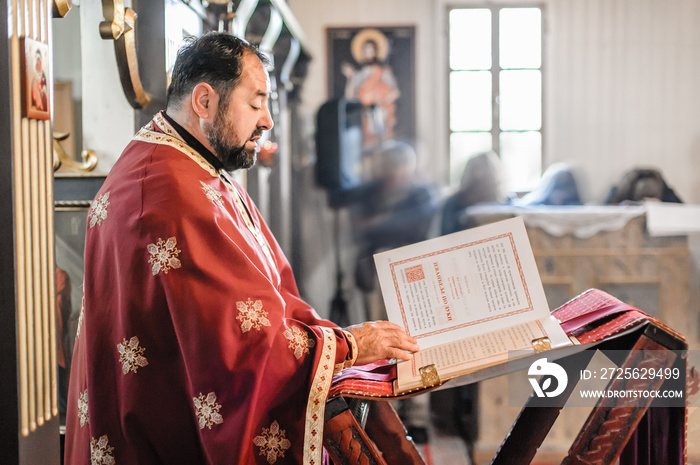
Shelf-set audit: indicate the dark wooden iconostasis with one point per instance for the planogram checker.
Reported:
(44, 211)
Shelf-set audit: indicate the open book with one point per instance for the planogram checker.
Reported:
(471, 299)
(475, 302)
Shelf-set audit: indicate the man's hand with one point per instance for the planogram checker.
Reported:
(377, 340)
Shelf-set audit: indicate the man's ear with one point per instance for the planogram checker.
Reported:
(205, 100)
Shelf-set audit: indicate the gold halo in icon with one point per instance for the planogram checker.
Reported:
(374, 35)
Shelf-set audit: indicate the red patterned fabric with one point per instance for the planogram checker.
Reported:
(193, 344)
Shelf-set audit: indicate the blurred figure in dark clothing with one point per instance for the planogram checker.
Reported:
(639, 185)
(394, 210)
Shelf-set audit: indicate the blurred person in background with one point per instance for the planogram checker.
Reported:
(481, 184)
(393, 210)
(559, 185)
(641, 185)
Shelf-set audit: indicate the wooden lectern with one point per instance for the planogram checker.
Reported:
(621, 428)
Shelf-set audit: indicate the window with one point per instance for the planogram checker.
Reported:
(495, 90)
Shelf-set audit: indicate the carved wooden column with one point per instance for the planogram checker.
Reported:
(28, 383)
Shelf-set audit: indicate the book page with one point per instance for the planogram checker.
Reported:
(463, 284)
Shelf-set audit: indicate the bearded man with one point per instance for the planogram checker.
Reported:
(193, 344)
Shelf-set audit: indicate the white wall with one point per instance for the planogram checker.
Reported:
(620, 81)
(83, 57)
(108, 119)
(622, 89)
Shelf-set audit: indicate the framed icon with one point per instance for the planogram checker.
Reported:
(376, 65)
(36, 91)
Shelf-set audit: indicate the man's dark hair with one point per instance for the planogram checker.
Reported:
(214, 58)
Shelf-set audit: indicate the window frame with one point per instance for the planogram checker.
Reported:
(495, 70)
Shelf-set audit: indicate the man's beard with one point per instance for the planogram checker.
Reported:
(232, 157)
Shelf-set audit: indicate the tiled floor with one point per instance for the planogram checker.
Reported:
(443, 449)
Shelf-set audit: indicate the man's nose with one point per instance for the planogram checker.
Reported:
(266, 122)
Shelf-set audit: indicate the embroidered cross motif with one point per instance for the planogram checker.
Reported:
(251, 315)
(98, 210)
(299, 341)
(207, 410)
(100, 452)
(131, 355)
(272, 442)
(83, 414)
(212, 194)
(163, 255)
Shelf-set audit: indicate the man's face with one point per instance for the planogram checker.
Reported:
(240, 120)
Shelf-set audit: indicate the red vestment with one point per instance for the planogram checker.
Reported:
(193, 344)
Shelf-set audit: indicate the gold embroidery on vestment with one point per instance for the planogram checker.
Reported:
(164, 125)
(163, 255)
(272, 442)
(131, 355)
(80, 318)
(100, 452)
(316, 404)
(353, 353)
(83, 413)
(207, 410)
(251, 315)
(170, 137)
(212, 194)
(98, 210)
(299, 341)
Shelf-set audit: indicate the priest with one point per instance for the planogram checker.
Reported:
(193, 344)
